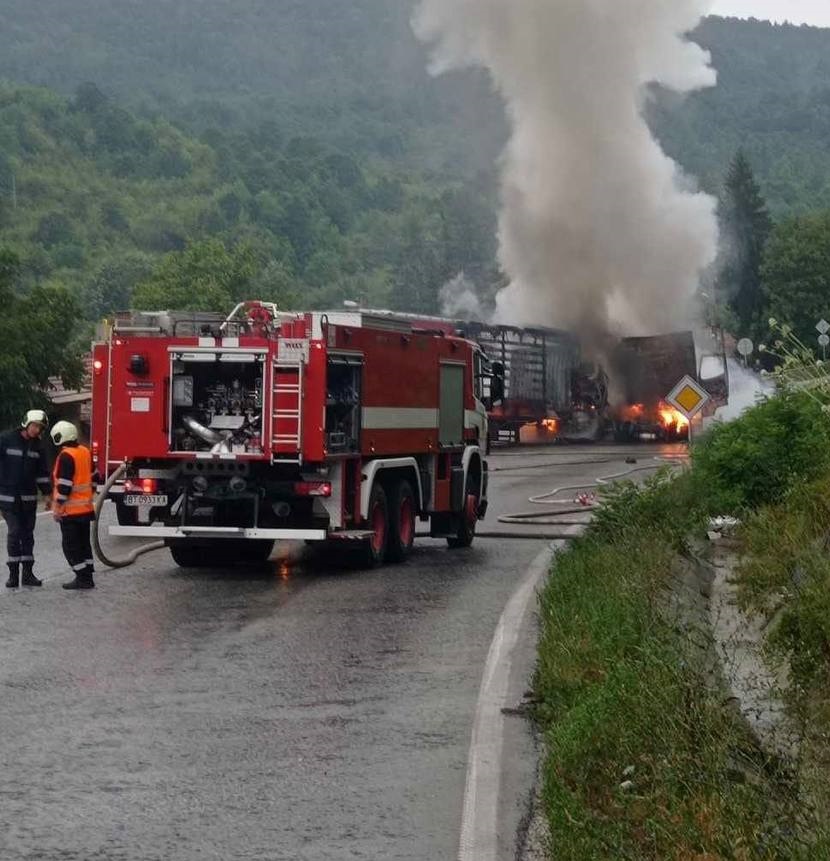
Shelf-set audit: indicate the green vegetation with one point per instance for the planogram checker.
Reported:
(772, 100)
(353, 76)
(645, 761)
(94, 198)
(745, 226)
(796, 274)
(35, 341)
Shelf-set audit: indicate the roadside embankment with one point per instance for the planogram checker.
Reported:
(651, 660)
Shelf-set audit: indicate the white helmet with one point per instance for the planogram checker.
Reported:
(64, 432)
(35, 417)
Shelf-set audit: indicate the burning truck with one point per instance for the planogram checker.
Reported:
(646, 369)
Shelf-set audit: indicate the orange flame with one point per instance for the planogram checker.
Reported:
(550, 425)
(671, 418)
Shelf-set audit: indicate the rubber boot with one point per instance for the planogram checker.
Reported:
(83, 580)
(29, 578)
(14, 575)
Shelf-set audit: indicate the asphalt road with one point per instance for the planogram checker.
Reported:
(305, 712)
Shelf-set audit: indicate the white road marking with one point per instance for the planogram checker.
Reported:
(480, 821)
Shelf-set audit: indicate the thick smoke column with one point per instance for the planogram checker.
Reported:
(599, 231)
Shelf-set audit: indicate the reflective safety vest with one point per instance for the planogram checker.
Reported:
(81, 497)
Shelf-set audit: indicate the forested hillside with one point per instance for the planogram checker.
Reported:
(299, 150)
(92, 197)
(772, 99)
(352, 75)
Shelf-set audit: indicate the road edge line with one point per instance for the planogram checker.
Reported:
(479, 819)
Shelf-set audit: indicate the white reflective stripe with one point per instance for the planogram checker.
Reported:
(82, 487)
(6, 498)
(79, 567)
(78, 503)
(34, 454)
(27, 558)
(14, 559)
(403, 418)
(66, 482)
(43, 480)
(28, 498)
(89, 561)
(15, 452)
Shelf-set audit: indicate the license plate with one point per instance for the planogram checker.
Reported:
(145, 500)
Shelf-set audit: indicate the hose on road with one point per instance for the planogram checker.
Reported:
(527, 517)
(125, 561)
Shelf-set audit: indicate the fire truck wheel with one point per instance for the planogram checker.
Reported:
(468, 518)
(373, 550)
(402, 523)
(186, 556)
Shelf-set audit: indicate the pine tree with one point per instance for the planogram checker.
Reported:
(745, 227)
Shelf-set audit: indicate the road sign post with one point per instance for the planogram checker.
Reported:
(745, 348)
(688, 397)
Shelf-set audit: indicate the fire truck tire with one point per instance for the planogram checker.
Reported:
(468, 518)
(401, 522)
(186, 556)
(373, 551)
(224, 554)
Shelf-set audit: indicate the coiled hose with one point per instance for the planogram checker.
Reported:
(96, 538)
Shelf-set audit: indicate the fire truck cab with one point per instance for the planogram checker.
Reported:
(238, 431)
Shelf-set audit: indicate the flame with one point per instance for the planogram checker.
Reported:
(551, 425)
(671, 418)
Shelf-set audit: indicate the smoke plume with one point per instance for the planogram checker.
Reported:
(599, 230)
(459, 299)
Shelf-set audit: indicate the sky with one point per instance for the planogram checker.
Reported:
(815, 12)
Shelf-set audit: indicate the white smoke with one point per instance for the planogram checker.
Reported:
(746, 389)
(459, 299)
(599, 231)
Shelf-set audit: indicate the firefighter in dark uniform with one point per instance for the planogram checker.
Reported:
(24, 469)
(73, 502)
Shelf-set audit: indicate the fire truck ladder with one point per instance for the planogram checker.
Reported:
(287, 415)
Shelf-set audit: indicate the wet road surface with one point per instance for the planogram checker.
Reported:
(304, 712)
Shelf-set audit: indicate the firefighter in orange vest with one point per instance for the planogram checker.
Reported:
(72, 502)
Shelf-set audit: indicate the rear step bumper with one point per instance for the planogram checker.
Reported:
(218, 532)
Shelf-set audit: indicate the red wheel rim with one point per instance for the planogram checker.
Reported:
(406, 522)
(379, 528)
(471, 511)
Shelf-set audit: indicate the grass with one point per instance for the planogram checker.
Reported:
(622, 700)
(645, 760)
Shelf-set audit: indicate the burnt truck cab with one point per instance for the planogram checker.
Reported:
(236, 431)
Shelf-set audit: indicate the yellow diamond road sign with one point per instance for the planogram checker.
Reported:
(689, 397)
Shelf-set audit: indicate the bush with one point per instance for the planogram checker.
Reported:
(759, 458)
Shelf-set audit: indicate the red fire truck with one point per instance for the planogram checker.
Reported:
(230, 433)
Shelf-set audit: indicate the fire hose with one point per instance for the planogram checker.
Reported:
(528, 518)
(125, 561)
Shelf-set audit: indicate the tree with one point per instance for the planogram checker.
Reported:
(745, 227)
(796, 274)
(206, 276)
(34, 341)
